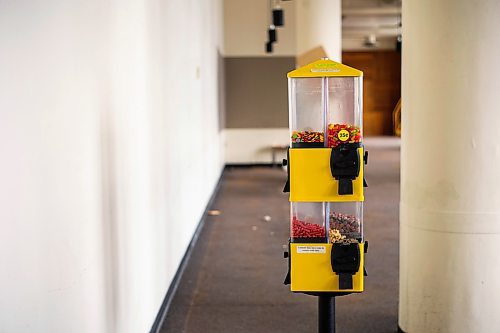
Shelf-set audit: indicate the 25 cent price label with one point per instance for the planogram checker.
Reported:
(343, 135)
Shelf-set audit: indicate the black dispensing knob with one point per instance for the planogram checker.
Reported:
(345, 262)
(365, 158)
(286, 189)
(345, 166)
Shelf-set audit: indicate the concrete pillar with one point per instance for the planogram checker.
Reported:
(450, 168)
(319, 24)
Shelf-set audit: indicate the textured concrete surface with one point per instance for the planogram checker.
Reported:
(233, 282)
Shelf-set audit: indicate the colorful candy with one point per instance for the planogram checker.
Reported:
(342, 133)
(307, 136)
(344, 228)
(336, 237)
(302, 229)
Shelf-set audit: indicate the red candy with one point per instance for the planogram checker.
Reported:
(302, 229)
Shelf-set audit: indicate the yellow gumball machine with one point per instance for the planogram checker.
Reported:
(325, 181)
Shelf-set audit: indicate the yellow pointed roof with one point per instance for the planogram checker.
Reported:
(324, 68)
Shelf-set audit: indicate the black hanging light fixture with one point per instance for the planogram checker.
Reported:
(277, 19)
(271, 34)
(269, 47)
(278, 16)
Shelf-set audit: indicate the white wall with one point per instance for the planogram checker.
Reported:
(103, 108)
(450, 198)
(255, 144)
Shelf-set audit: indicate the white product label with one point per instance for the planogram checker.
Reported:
(311, 249)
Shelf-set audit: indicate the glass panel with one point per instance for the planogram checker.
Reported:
(307, 222)
(306, 112)
(344, 118)
(345, 222)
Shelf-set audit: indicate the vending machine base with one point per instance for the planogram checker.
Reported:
(326, 314)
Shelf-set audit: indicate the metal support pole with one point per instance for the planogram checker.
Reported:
(326, 314)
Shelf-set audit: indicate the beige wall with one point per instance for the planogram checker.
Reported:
(319, 24)
(256, 85)
(257, 89)
(255, 102)
(308, 23)
(245, 29)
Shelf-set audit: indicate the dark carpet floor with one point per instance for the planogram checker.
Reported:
(233, 282)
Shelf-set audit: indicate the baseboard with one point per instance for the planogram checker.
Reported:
(162, 313)
(251, 165)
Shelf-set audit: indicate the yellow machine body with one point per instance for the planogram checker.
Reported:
(311, 271)
(311, 179)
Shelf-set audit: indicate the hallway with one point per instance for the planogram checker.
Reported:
(139, 190)
(233, 281)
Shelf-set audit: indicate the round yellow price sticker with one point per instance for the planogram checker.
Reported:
(343, 135)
